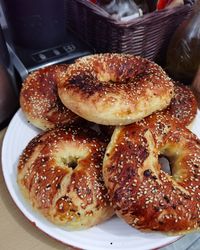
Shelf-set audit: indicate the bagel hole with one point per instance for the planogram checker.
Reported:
(165, 164)
(71, 161)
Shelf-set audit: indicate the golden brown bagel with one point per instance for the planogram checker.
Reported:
(60, 174)
(114, 89)
(183, 106)
(143, 194)
(39, 99)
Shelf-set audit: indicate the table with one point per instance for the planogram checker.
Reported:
(17, 233)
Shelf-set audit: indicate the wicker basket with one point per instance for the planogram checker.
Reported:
(147, 36)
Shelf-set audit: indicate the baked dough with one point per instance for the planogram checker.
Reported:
(183, 106)
(39, 99)
(60, 174)
(114, 89)
(144, 195)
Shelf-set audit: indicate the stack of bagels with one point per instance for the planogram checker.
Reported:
(106, 121)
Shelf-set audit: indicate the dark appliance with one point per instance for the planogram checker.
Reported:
(8, 91)
(39, 36)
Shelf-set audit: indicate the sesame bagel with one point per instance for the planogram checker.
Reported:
(144, 195)
(114, 89)
(39, 99)
(183, 106)
(60, 174)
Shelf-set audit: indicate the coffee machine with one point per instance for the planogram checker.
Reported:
(37, 35)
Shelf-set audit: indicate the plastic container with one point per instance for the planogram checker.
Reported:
(123, 10)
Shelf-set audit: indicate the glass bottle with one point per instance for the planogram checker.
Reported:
(183, 55)
(196, 86)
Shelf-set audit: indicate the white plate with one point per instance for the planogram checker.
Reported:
(113, 234)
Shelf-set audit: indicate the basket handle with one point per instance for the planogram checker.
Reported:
(94, 8)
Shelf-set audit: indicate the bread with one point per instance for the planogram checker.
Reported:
(183, 106)
(60, 174)
(39, 99)
(144, 195)
(114, 89)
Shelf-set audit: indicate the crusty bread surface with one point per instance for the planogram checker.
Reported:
(114, 89)
(144, 195)
(39, 99)
(60, 174)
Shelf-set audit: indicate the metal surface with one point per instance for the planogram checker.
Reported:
(27, 60)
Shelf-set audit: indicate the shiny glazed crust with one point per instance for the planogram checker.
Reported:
(39, 99)
(183, 106)
(60, 174)
(144, 195)
(114, 89)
